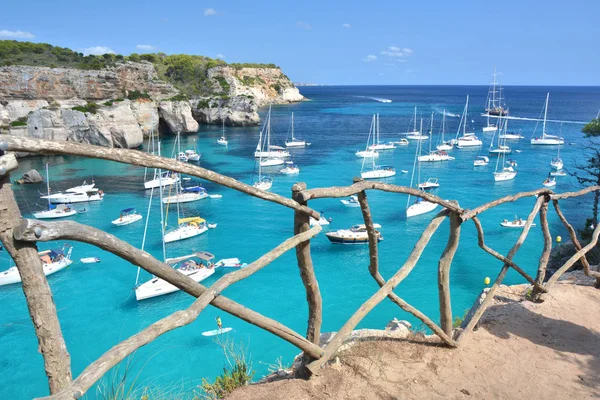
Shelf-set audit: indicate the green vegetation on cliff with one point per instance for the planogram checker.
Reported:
(188, 73)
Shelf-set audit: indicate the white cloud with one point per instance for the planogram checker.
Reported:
(4, 33)
(145, 47)
(370, 58)
(209, 11)
(98, 50)
(407, 51)
(395, 51)
(394, 48)
(304, 25)
(347, 26)
(220, 56)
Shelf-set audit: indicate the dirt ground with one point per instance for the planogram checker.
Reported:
(522, 350)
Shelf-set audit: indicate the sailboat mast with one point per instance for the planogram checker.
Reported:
(48, 185)
(545, 114)
(293, 127)
(415, 121)
(466, 115)
(162, 222)
(176, 184)
(412, 177)
(443, 126)
(431, 132)
(494, 89)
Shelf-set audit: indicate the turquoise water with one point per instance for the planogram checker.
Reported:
(96, 303)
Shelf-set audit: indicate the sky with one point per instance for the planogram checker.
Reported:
(394, 42)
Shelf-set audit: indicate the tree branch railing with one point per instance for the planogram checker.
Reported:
(21, 235)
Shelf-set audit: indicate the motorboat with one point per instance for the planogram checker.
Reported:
(321, 221)
(402, 142)
(52, 262)
(187, 195)
(435, 156)
(192, 155)
(357, 234)
(547, 139)
(549, 182)
(419, 207)
(560, 172)
(223, 139)
(89, 260)
(367, 154)
(182, 157)
(197, 266)
(295, 142)
(506, 174)
(168, 178)
(431, 183)
(516, 223)
(230, 263)
(481, 161)
(78, 194)
(271, 162)
(351, 201)
(188, 228)
(264, 183)
(128, 216)
(290, 169)
(379, 171)
(212, 225)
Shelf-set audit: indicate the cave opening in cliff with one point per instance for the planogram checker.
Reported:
(163, 127)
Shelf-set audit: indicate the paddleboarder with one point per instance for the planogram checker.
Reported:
(219, 323)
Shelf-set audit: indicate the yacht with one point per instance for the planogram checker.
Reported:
(357, 234)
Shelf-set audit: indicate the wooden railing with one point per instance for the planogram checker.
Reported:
(20, 236)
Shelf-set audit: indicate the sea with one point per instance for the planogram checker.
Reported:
(96, 302)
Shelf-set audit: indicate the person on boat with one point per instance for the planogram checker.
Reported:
(219, 323)
(505, 221)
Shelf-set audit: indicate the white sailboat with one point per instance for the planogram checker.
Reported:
(416, 134)
(444, 145)
(368, 153)
(52, 262)
(491, 105)
(557, 162)
(377, 171)
(223, 140)
(437, 155)
(377, 144)
(547, 139)
(468, 139)
(270, 151)
(500, 148)
(419, 206)
(508, 172)
(295, 142)
(58, 211)
(264, 182)
(186, 195)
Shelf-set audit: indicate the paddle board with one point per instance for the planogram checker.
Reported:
(216, 332)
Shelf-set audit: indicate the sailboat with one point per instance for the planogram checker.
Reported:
(52, 261)
(557, 163)
(295, 142)
(377, 171)
(444, 145)
(419, 206)
(437, 155)
(501, 148)
(546, 139)
(416, 134)
(270, 151)
(264, 182)
(166, 178)
(494, 104)
(368, 153)
(508, 172)
(270, 161)
(223, 140)
(549, 182)
(58, 211)
(377, 144)
(468, 139)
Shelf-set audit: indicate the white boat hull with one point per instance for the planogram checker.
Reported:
(435, 158)
(547, 141)
(222, 142)
(504, 176)
(154, 183)
(12, 275)
(367, 154)
(184, 232)
(263, 185)
(159, 287)
(272, 162)
(55, 213)
(351, 203)
(72, 198)
(444, 147)
(468, 143)
(127, 219)
(321, 221)
(422, 207)
(290, 171)
(511, 136)
(185, 198)
(296, 143)
(272, 154)
(377, 174)
(487, 129)
(382, 147)
(513, 224)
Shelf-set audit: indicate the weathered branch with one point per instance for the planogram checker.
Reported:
(492, 292)
(93, 372)
(444, 274)
(576, 243)
(40, 303)
(381, 294)
(374, 270)
(489, 250)
(506, 199)
(345, 191)
(135, 157)
(70, 230)
(545, 257)
(566, 195)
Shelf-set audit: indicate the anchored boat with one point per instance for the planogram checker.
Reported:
(357, 234)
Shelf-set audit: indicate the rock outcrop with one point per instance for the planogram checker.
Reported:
(32, 176)
(235, 111)
(177, 115)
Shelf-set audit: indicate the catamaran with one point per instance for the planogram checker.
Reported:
(377, 171)
(437, 155)
(547, 139)
(468, 139)
(52, 262)
(59, 211)
(368, 153)
(420, 206)
(416, 134)
(128, 216)
(295, 142)
(264, 149)
(377, 144)
(223, 140)
(444, 145)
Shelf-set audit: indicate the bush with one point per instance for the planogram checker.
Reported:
(118, 100)
(136, 94)
(108, 103)
(19, 122)
(223, 83)
(203, 104)
(276, 87)
(88, 108)
(178, 97)
(227, 382)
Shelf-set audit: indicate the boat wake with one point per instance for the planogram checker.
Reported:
(379, 99)
(536, 119)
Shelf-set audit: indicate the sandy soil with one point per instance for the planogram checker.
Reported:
(522, 350)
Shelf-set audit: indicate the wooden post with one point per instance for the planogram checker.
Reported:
(545, 257)
(40, 303)
(444, 274)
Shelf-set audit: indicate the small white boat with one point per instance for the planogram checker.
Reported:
(490, 128)
(186, 265)
(223, 139)
(272, 154)
(128, 216)
(215, 196)
(404, 171)
(357, 234)
(435, 156)
(378, 172)
(511, 136)
(500, 150)
(547, 139)
(415, 134)
(549, 182)
(264, 183)
(271, 162)
(168, 178)
(321, 221)
(58, 211)
(181, 156)
(419, 207)
(290, 169)
(444, 146)
(187, 195)
(188, 228)
(78, 194)
(351, 201)
(560, 172)
(367, 154)
(212, 225)
(192, 155)
(468, 140)
(557, 162)
(431, 183)
(230, 263)
(89, 260)
(382, 146)
(295, 142)
(481, 161)
(402, 142)
(506, 174)
(516, 223)
(52, 262)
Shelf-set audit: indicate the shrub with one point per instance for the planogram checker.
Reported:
(178, 97)
(136, 94)
(88, 108)
(203, 104)
(223, 83)
(19, 122)
(118, 100)
(276, 87)
(108, 103)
